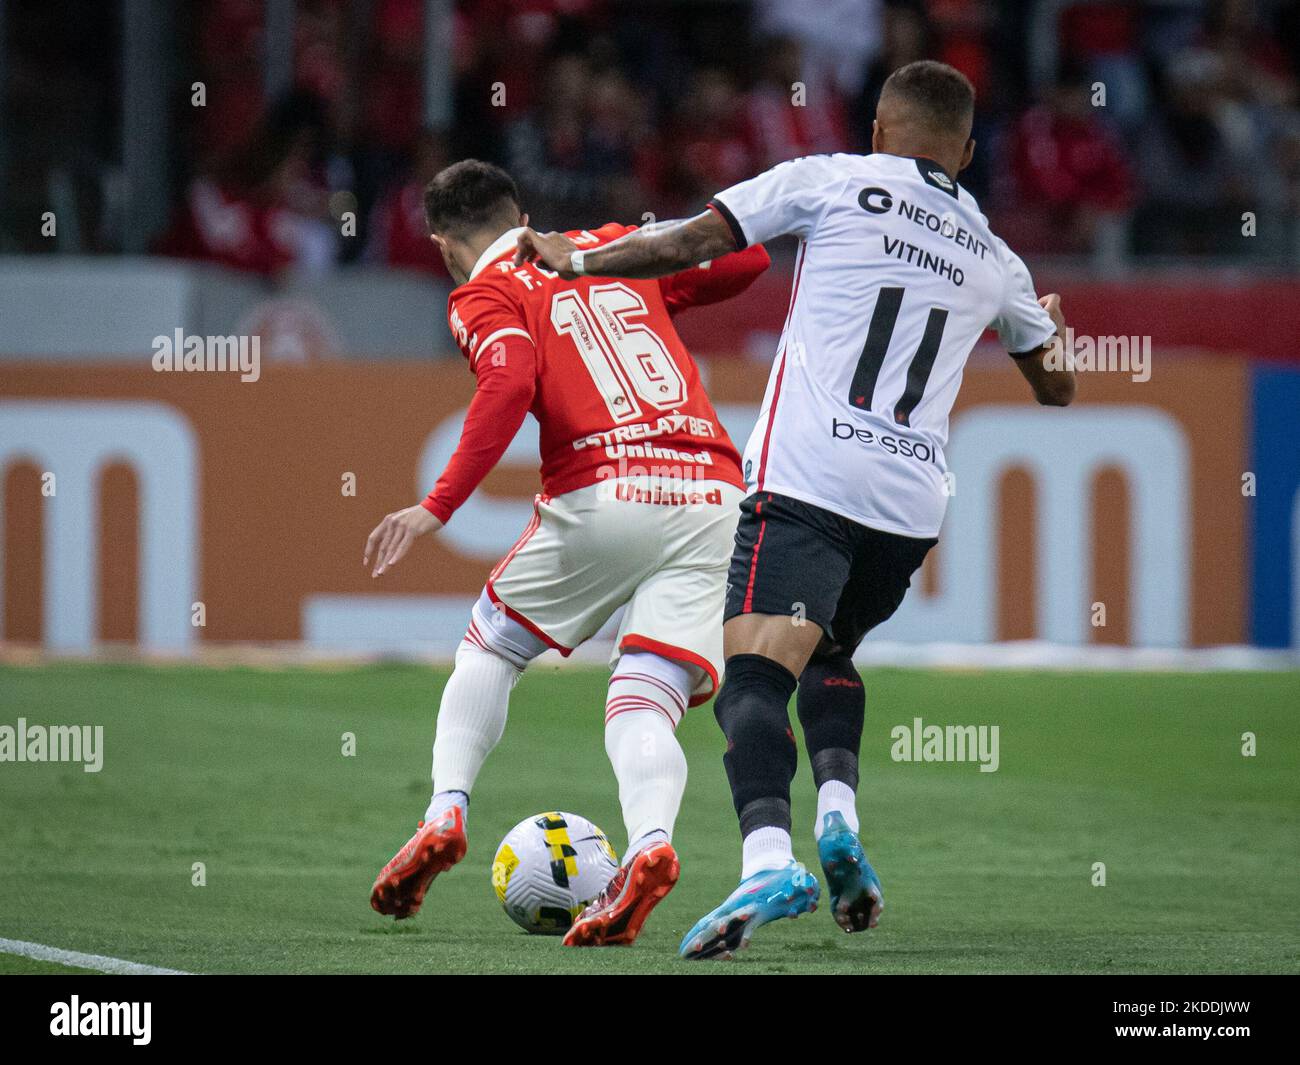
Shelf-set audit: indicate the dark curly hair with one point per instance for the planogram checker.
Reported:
(468, 196)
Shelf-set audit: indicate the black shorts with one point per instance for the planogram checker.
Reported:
(795, 559)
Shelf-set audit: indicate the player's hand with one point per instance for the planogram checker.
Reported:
(394, 535)
(1051, 303)
(552, 250)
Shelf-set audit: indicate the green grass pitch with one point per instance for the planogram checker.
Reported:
(242, 769)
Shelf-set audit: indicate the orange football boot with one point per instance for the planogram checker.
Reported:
(437, 846)
(616, 915)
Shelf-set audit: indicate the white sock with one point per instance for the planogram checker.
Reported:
(765, 848)
(836, 797)
(445, 800)
(471, 719)
(638, 845)
(647, 697)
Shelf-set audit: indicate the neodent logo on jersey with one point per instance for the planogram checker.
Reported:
(876, 200)
(894, 445)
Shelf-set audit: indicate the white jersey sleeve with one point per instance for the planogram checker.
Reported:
(1021, 324)
(788, 199)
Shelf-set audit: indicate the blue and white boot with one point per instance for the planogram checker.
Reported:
(765, 896)
(856, 896)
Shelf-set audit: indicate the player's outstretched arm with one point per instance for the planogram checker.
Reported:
(653, 251)
(1053, 386)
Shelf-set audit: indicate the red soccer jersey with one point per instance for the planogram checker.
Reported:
(597, 362)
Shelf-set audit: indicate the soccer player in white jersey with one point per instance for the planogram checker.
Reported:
(897, 277)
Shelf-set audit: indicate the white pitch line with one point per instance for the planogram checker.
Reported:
(98, 962)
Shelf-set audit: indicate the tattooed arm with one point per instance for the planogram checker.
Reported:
(653, 251)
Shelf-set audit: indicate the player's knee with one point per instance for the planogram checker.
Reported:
(647, 682)
(470, 649)
(492, 631)
(751, 708)
(832, 674)
(832, 708)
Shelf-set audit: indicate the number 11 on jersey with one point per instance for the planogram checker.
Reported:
(874, 350)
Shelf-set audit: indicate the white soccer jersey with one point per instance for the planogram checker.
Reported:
(897, 277)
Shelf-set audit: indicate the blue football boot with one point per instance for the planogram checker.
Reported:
(856, 897)
(765, 896)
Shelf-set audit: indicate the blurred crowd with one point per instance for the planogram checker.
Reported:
(1112, 128)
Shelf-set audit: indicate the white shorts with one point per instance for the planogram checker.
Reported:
(660, 548)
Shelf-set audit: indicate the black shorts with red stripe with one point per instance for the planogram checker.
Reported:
(798, 560)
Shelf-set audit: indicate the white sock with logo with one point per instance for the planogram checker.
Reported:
(647, 698)
(836, 797)
(471, 719)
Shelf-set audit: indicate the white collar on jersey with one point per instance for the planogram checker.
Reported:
(495, 250)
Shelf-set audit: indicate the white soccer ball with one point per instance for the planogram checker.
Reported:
(548, 868)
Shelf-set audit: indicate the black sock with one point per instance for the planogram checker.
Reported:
(760, 758)
(832, 707)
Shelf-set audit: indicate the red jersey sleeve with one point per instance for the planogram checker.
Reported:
(714, 281)
(490, 332)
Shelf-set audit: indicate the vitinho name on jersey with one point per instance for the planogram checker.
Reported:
(915, 256)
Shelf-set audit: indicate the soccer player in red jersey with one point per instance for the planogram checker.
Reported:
(640, 493)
